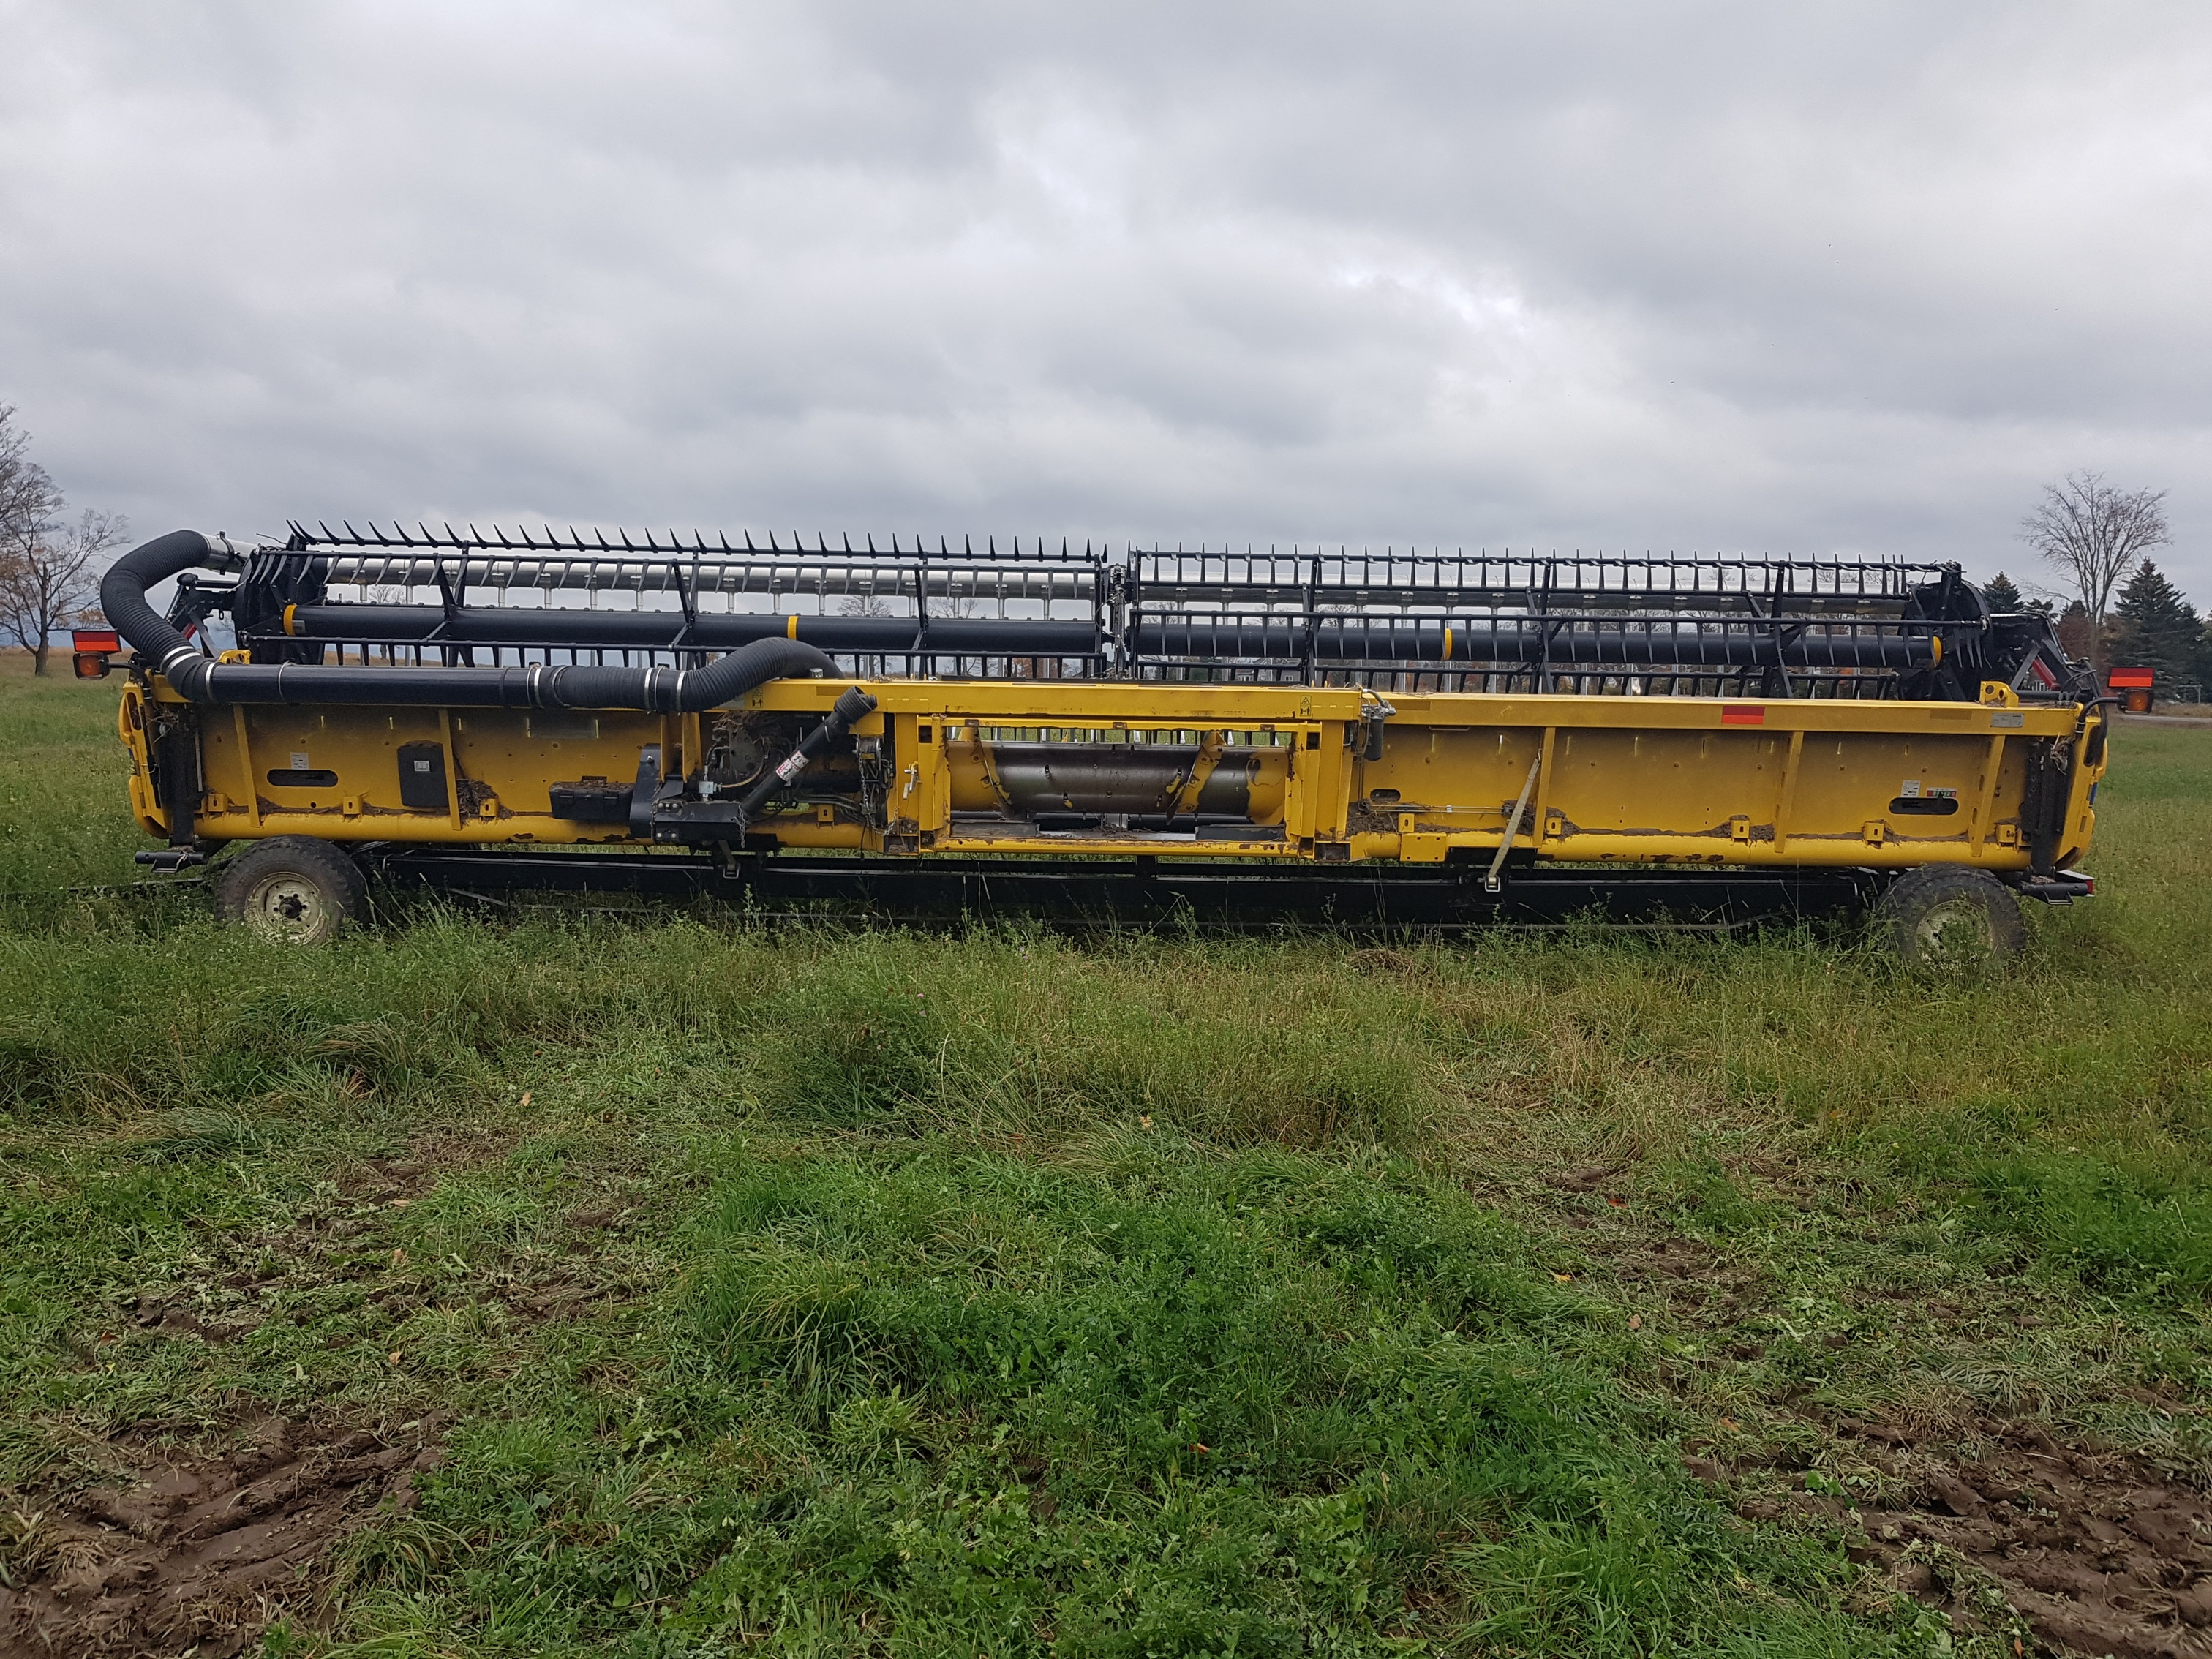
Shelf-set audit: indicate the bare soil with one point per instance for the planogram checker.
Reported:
(186, 1554)
(2093, 1551)
(198, 1554)
(2003, 1525)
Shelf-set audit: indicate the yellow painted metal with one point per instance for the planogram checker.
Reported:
(131, 716)
(1631, 779)
(252, 796)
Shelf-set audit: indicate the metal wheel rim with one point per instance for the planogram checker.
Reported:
(290, 909)
(1957, 927)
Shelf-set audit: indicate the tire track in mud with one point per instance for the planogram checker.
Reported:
(2099, 1552)
(203, 1552)
(2007, 1524)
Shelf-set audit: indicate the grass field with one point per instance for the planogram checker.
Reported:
(659, 1286)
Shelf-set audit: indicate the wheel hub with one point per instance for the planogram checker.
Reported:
(289, 908)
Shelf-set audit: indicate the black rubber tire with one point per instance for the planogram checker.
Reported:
(1944, 916)
(291, 889)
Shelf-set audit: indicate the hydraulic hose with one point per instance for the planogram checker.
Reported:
(536, 685)
(853, 705)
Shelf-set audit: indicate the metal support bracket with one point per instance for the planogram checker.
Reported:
(1490, 882)
(643, 791)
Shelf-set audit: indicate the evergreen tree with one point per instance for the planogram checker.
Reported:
(2004, 596)
(2157, 628)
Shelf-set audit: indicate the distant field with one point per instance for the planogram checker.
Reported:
(659, 1286)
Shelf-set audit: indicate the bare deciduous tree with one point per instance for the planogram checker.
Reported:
(48, 575)
(2094, 535)
(50, 582)
(29, 499)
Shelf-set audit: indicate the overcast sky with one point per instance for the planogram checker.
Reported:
(1795, 278)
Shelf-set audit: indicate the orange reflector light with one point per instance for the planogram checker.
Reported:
(91, 664)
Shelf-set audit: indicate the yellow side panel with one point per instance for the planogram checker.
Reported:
(1610, 778)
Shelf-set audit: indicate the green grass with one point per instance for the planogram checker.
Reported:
(846, 1292)
(64, 817)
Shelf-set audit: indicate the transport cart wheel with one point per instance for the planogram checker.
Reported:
(294, 890)
(1945, 915)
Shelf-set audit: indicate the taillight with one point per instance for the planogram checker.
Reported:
(92, 665)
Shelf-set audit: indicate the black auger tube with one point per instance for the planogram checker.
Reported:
(666, 630)
(853, 705)
(1632, 643)
(538, 685)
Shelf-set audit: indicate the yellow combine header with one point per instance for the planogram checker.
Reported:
(1419, 739)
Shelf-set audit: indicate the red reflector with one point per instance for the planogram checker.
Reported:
(2129, 676)
(1743, 714)
(94, 639)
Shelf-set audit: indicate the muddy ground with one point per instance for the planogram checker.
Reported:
(2099, 1552)
(2009, 1526)
(199, 1548)
(181, 1552)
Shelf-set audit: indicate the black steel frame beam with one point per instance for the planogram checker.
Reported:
(1144, 892)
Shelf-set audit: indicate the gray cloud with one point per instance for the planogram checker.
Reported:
(1798, 279)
